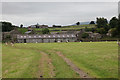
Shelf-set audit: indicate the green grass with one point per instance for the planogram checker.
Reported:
(77, 27)
(99, 59)
(62, 70)
(22, 30)
(23, 61)
(19, 62)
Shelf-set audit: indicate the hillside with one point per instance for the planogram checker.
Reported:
(64, 28)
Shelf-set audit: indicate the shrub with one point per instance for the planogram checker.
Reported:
(85, 35)
(45, 31)
(113, 31)
(101, 30)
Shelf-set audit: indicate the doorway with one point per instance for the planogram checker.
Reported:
(24, 40)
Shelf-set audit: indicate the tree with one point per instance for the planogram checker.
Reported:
(6, 26)
(89, 29)
(113, 23)
(85, 35)
(113, 31)
(45, 31)
(102, 23)
(92, 22)
(21, 26)
(119, 17)
(115, 26)
(118, 27)
(101, 30)
(57, 26)
(78, 23)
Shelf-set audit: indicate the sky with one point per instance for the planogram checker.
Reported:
(59, 13)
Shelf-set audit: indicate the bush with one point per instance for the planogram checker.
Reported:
(89, 29)
(92, 22)
(113, 31)
(101, 30)
(85, 35)
(45, 31)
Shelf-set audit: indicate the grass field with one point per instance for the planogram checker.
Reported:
(98, 59)
(77, 27)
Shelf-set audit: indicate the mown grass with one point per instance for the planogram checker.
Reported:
(62, 70)
(99, 59)
(19, 62)
(23, 61)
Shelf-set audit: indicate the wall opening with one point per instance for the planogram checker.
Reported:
(24, 40)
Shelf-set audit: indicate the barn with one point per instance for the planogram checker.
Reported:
(47, 38)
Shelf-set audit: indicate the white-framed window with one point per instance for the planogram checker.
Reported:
(49, 36)
(67, 35)
(24, 36)
(34, 36)
(29, 36)
(58, 35)
(44, 36)
(21, 36)
(53, 35)
(39, 36)
(63, 36)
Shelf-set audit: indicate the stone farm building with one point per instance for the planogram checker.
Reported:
(46, 38)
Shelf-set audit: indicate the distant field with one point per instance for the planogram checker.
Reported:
(98, 59)
(23, 30)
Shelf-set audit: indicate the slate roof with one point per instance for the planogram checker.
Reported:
(27, 32)
(47, 36)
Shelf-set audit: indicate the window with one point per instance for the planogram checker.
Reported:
(24, 36)
(29, 36)
(63, 36)
(58, 35)
(49, 36)
(34, 36)
(39, 36)
(21, 36)
(67, 35)
(53, 36)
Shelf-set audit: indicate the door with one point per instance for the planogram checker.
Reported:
(24, 40)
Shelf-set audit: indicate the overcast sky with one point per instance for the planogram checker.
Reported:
(62, 13)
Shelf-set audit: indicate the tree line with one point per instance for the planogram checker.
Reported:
(7, 26)
(104, 27)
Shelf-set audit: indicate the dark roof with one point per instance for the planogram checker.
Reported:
(47, 36)
(28, 32)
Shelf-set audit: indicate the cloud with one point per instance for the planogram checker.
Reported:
(59, 0)
(56, 12)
